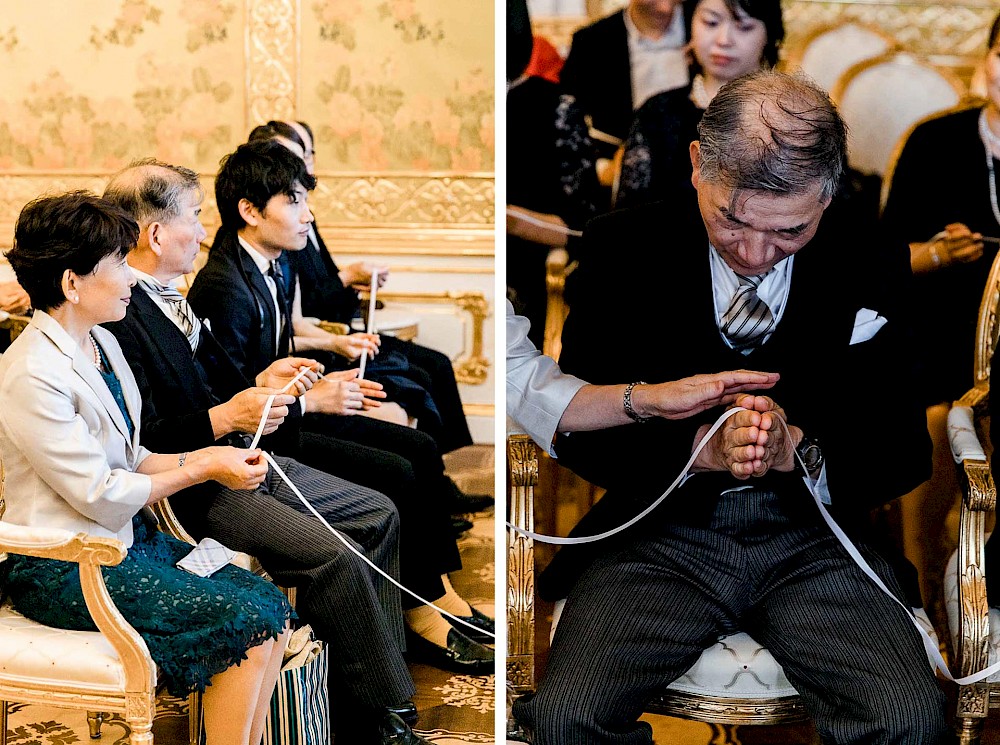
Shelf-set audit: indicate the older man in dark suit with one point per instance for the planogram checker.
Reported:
(745, 273)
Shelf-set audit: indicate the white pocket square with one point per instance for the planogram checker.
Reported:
(866, 325)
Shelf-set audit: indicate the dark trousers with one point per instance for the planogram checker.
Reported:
(349, 605)
(405, 465)
(641, 615)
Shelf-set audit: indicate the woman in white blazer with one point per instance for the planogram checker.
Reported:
(69, 440)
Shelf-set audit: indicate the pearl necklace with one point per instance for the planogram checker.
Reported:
(97, 351)
(990, 139)
(699, 96)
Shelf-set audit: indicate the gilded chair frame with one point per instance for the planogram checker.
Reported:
(136, 698)
(977, 511)
(723, 713)
(794, 55)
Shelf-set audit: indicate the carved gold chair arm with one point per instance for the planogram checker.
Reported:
(13, 323)
(522, 463)
(91, 553)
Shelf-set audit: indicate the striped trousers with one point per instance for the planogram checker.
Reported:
(350, 606)
(640, 616)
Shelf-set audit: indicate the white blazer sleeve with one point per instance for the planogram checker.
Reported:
(41, 418)
(538, 392)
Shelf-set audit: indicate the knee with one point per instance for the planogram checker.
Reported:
(559, 714)
(909, 712)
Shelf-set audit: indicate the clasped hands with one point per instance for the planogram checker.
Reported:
(750, 443)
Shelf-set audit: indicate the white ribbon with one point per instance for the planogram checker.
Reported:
(336, 533)
(929, 644)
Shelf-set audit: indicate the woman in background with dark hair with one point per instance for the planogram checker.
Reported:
(69, 438)
(729, 38)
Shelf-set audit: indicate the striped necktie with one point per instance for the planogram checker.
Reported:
(748, 320)
(179, 308)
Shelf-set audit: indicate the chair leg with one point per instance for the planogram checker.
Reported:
(195, 718)
(3, 723)
(970, 730)
(94, 721)
(724, 734)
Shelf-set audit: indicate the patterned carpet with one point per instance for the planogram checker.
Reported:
(453, 708)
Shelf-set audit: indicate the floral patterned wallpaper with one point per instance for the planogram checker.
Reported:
(387, 85)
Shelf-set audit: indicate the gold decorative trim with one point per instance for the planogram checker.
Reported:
(402, 198)
(474, 367)
(272, 60)
(522, 466)
(418, 269)
(950, 34)
(479, 409)
(720, 710)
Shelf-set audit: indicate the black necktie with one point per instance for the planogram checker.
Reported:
(279, 282)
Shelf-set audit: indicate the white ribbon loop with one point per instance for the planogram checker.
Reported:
(336, 533)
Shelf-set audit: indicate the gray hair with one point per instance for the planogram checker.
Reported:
(774, 132)
(151, 190)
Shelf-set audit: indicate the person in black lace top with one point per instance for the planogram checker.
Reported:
(729, 38)
(552, 183)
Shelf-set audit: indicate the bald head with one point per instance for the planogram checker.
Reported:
(772, 132)
(152, 191)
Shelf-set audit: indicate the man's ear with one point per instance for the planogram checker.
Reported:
(248, 212)
(695, 152)
(154, 236)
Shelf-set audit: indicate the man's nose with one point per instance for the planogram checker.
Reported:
(755, 250)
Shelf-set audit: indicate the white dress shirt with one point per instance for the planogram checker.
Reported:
(657, 65)
(538, 392)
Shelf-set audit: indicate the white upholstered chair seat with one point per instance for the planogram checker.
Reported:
(736, 667)
(32, 651)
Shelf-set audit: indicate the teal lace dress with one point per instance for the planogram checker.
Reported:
(194, 627)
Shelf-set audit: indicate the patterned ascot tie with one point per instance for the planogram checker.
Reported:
(188, 322)
(276, 274)
(748, 320)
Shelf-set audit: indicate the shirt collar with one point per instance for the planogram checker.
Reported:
(263, 264)
(141, 276)
(673, 38)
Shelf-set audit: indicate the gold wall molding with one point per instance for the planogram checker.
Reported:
(472, 368)
(401, 198)
(951, 34)
(272, 60)
(487, 410)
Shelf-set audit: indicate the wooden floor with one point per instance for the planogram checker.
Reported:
(453, 708)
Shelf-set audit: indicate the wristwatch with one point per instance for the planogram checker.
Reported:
(811, 455)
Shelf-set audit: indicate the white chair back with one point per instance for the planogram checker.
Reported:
(881, 98)
(827, 51)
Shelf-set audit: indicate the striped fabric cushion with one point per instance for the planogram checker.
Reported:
(300, 709)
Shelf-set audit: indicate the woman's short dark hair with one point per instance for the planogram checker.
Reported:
(994, 33)
(73, 231)
(286, 130)
(257, 171)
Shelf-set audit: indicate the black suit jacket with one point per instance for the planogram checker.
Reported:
(322, 293)
(856, 399)
(598, 73)
(231, 293)
(178, 389)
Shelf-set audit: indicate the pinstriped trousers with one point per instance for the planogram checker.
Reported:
(351, 607)
(640, 616)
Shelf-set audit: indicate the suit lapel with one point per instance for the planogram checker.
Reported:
(262, 294)
(164, 337)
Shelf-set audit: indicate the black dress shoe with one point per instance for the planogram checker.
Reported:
(460, 525)
(462, 655)
(407, 711)
(392, 730)
(481, 621)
